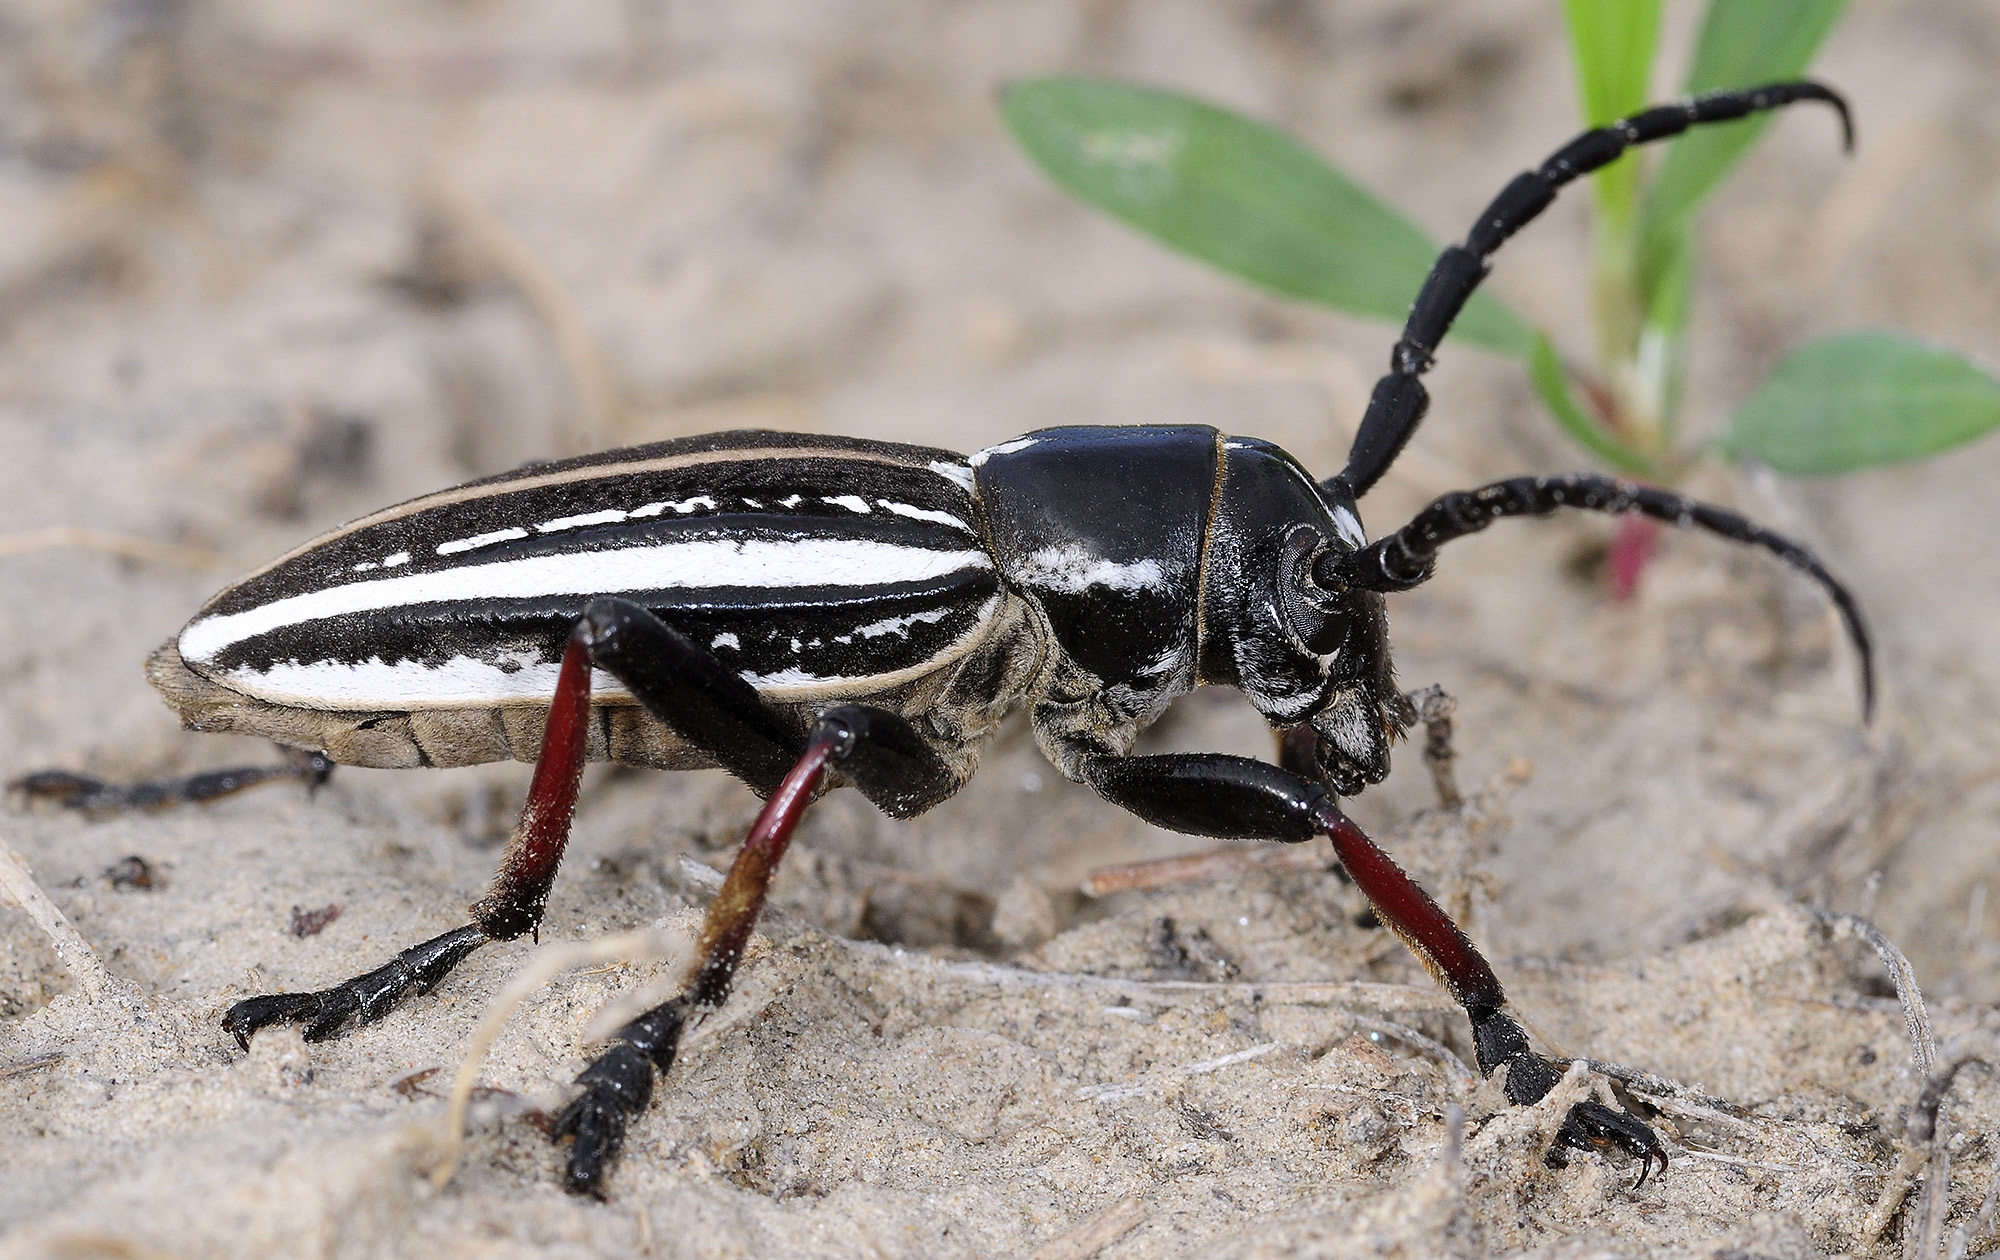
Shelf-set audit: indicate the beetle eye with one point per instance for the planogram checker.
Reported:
(1325, 638)
(1317, 617)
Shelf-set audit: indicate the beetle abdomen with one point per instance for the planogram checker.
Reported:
(818, 567)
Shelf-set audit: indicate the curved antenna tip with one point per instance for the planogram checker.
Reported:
(1821, 92)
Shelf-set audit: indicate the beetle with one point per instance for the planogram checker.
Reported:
(808, 611)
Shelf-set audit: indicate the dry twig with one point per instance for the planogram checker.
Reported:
(57, 537)
(603, 415)
(17, 884)
(1095, 1234)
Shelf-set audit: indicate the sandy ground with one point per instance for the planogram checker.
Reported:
(263, 267)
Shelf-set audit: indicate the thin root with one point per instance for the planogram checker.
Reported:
(548, 963)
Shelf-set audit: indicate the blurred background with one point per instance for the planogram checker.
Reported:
(265, 266)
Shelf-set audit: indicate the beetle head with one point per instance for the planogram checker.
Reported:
(1304, 653)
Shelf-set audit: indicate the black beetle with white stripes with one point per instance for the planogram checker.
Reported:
(808, 611)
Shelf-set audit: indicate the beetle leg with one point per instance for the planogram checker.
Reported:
(1214, 794)
(369, 996)
(82, 792)
(694, 694)
(511, 907)
(880, 753)
(704, 702)
(699, 699)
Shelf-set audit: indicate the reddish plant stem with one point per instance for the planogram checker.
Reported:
(1630, 552)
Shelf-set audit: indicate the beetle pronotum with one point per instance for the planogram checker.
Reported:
(811, 611)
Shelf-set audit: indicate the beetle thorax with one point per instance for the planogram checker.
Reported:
(1164, 558)
(1102, 530)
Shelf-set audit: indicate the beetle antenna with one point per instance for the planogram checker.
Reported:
(1407, 557)
(1399, 400)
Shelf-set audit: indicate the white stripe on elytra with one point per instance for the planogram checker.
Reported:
(683, 507)
(377, 684)
(958, 474)
(480, 540)
(924, 514)
(611, 516)
(697, 563)
(604, 517)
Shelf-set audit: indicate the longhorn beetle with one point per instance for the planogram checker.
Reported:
(811, 611)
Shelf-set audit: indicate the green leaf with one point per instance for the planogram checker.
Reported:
(1612, 43)
(1860, 400)
(1552, 383)
(1744, 43)
(1240, 195)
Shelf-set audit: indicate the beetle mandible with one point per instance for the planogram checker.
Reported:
(812, 611)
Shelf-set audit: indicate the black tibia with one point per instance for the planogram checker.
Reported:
(80, 791)
(697, 697)
(1406, 557)
(1219, 795)
(879, 753)
(366, 998)
(1399, 401)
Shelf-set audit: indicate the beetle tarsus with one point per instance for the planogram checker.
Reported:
(1592, 1126)
(243, 1020)
(616, 1087)
(368, 996)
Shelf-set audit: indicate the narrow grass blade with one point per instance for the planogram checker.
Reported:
(1743, 43)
